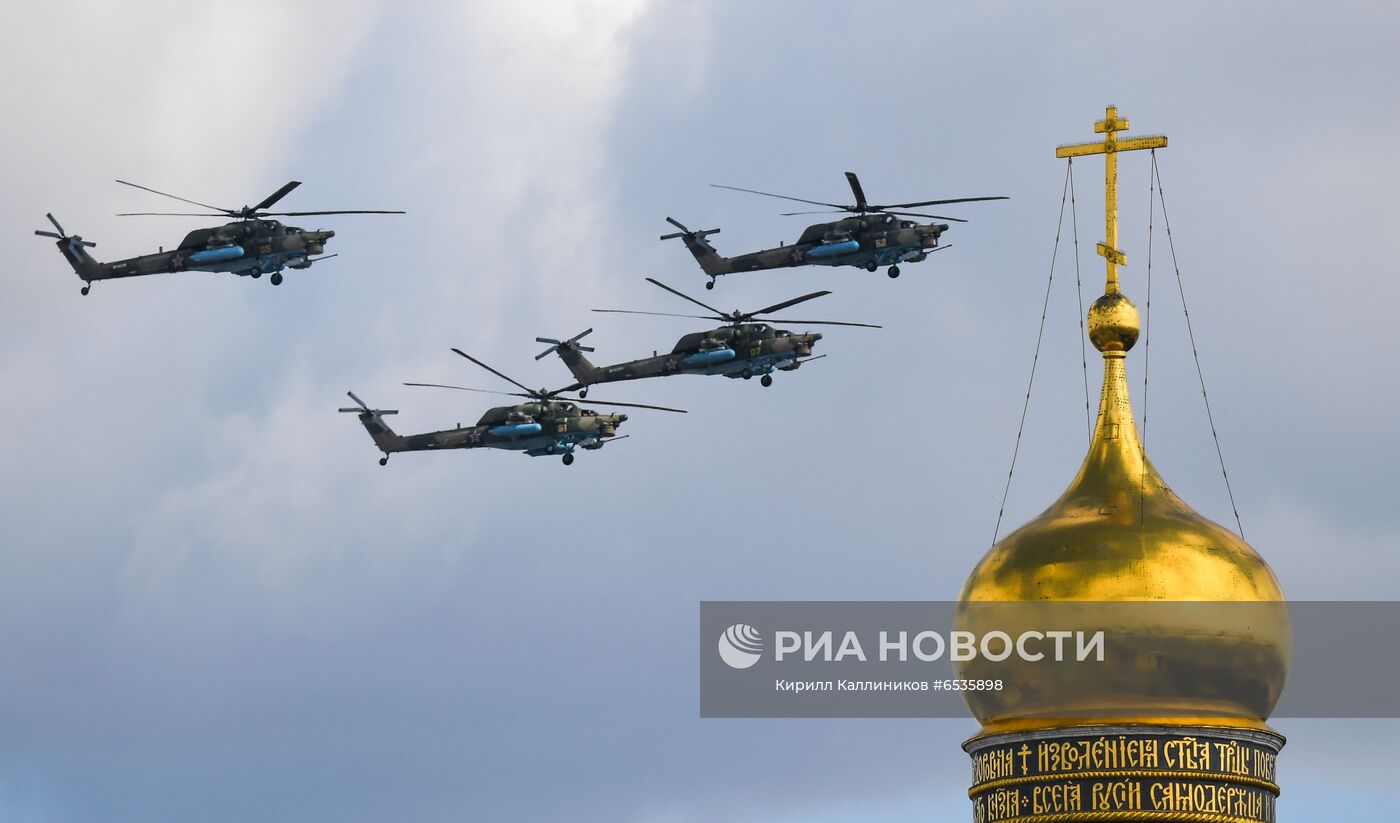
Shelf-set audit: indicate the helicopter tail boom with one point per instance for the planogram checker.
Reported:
(711, 261)
(583, 370)
(384, 437)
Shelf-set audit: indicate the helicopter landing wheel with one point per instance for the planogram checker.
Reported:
(384, 461)
(767, 380)
(255, 274)
(710, 285)
(871, 266)
(747, 374)
(893, 272)
(276, 278)
(568, 460)
(583, 392)
(85, 290)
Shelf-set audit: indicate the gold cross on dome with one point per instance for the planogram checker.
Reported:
(1109, 127)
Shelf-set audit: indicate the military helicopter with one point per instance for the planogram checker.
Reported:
(743, 348)
(872, 237)
(251, 246)
(547, 424)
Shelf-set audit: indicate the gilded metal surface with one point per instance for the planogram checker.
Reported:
(1109, 127)
(1119, 534)
(1168, 724)
(1113, 323)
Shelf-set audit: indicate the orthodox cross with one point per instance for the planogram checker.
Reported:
(1109, 126)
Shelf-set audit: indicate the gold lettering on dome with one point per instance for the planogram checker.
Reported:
(1187, 754)
(1264, 764)
(1056, 797)
(1119, 795)
(1003, 804)
(1097, 753)
(1121, 774)
(1149, 753)
(993, 765)
(1210, 799)
(1232, 757)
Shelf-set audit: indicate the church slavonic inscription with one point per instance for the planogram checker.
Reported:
(1211, 772)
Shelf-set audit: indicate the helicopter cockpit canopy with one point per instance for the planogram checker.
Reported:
(690, 342)
(204, 238)
(496, 416)
(820, 233)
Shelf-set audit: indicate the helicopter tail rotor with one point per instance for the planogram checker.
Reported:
(571, 352)
(74, 250)
(685, 232)
(384, 437)
(72, 240)
(711, 262)
(561, 346)
(361, 408)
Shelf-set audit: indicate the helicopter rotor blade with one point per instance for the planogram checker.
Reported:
(818, 323)
(43, 233)
(513, 382)
(684, 232)
(333, 211)
(685, 296)
(660, 314)
(54, 221)
(786, 303)
(170, 214)
(275, 196)
(363, 409)
(591, 402)
(233, 212)
(856, 190)
(467, 388)
(921, 214)
(796, 213)
(580, 336)
(782, 196)
(937, 202)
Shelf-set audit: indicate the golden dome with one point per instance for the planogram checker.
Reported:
(1117, 536)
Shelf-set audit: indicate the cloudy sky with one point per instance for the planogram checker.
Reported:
(214, 605)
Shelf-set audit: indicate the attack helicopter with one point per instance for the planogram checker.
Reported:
(251, 246)
(873, 236)
(745, 347)
(546, 424)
